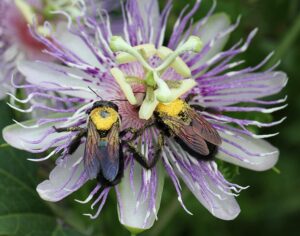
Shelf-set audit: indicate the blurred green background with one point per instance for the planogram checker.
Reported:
(270, 207)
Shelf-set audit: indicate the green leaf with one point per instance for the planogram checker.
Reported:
(59, 231)
(22, 212)
(228, 170)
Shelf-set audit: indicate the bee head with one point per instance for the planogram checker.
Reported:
(103, 104)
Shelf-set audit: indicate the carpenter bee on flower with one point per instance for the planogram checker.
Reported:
(164, 130)
(103, 156)
(189, 129)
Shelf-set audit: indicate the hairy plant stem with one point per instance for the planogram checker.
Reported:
(289, 39)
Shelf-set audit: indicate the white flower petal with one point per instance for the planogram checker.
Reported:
(54, 76)
(76, 45)
(212, 197)
(150, 8)
(246, 87)
(136, 216)
(214, 25)
(64, 179)
(250, 153)
(18, 137)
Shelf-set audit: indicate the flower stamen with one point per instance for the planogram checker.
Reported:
(157, 89)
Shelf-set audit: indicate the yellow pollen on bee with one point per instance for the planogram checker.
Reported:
(171, 109)
(104, 117)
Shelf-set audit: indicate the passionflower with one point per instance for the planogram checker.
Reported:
(16, 40)
(114, 84)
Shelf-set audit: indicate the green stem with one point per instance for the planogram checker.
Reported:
(168, 214)
(276, 170)
(289, 39)
(4, 145)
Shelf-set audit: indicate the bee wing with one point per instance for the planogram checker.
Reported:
(91, 152)
(110, 154)
(102, 155)
(187, 136)
(204, 128)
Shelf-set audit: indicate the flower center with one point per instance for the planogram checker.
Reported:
(104, 117)
(157, 89)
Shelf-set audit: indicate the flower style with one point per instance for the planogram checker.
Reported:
(142, 77)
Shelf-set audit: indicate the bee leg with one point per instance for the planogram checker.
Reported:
(158, 149)
(135, 132)
(141, 159)
(190, 97)
(128, 130)
(76, 141)
(211, 110)
(198, 107)
(70, 129)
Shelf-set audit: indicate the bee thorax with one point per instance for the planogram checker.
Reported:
(171, 109)
(104, 117)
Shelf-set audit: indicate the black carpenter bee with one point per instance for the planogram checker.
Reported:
(189, 129)
(103, 156)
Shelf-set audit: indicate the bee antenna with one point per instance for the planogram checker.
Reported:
(95, 93)
(119, 100)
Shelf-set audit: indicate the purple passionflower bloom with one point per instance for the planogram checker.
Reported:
(115, 68)
(16, 41)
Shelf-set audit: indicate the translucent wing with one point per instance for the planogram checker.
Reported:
(204, 128)
(110, 154)
(101, 155)
(91, 152)
(186, 135)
